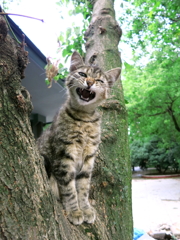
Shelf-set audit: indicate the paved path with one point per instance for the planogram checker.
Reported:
(155, 201)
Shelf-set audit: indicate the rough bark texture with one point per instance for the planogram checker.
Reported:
(113, 168)
(28, 210)
(24, 190)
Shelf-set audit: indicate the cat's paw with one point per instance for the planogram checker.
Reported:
(89, 215)
(76, 217)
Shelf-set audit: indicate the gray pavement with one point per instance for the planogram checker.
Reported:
(155, 202)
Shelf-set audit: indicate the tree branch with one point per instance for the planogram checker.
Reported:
(3, 13)
(175, 20)
(156, 114)
(171, 113)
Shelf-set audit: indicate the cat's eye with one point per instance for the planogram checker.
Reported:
(99, 80)
(82, 74)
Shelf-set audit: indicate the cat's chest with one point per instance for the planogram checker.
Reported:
(87, 133)
(86, 142)
(85, 138)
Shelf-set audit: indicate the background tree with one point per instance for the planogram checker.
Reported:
(154, 97)
(151, 82)
(29, 211)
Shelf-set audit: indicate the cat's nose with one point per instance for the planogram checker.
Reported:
(90, 81)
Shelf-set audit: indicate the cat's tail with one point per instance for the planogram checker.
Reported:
(54, 187)
(52, 180)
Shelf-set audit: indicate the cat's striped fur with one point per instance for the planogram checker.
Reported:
(70, 144)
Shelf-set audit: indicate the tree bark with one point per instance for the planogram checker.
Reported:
(113, 167)
(27, 207)
(28, 210)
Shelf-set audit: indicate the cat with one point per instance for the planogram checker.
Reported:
(70, 144)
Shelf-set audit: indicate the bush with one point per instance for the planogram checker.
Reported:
(139, 155)
(154, 153)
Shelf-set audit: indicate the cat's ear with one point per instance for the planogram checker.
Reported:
(76, 61)
(113, 75)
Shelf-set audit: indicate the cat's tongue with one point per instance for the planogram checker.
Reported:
(85, 93)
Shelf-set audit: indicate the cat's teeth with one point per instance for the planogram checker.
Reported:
(87, 99)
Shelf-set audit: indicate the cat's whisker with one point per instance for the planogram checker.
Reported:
(64, 93)
(75, 78)
(62, 90)
(73, 86)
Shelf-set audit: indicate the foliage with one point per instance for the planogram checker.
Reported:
(139, 154)
(152, 83)
(154, 152)
(153, 22)
(83, 7)
(5, 4)
(154, 97)
(73, 38)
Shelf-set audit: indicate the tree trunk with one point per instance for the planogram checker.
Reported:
(113, 167)
(28, 210)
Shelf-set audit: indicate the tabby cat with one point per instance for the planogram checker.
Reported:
(70, 144)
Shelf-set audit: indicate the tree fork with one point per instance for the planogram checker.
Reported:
(28, 209)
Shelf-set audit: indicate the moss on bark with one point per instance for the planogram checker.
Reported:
(113, 164)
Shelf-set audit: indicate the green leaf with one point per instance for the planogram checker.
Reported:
(128, 66)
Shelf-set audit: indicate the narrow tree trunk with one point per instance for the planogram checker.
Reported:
(113, 169)
(28, 210)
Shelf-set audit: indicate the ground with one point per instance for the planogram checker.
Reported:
(155, 202)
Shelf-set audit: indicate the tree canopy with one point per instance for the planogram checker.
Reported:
(152, 83)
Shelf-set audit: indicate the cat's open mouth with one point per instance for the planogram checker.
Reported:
(85, 95)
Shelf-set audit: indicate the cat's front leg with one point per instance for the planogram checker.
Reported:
(65, 174)
(83, 180)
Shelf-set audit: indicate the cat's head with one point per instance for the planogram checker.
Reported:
(88, 86)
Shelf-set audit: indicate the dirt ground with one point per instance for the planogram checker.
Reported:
(155, 202)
